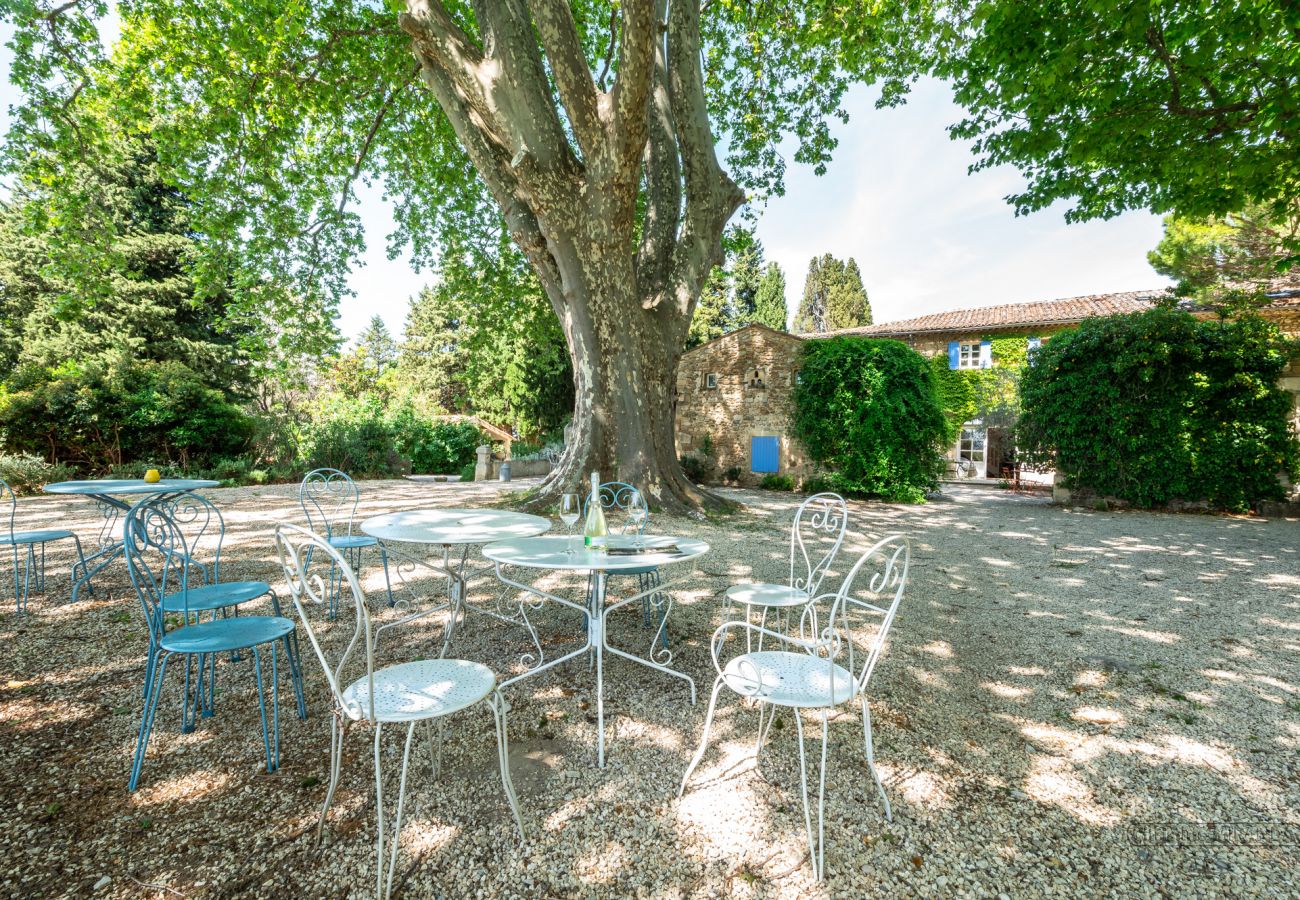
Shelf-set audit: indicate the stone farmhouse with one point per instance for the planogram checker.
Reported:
(735, 393)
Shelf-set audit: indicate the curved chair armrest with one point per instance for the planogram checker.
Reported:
(720, 634)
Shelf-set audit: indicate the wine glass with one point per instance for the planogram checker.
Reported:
(637, 513)
(569, 516)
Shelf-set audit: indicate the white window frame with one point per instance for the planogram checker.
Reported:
(711, 381)
(968, 355)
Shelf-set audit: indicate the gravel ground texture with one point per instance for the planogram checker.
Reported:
(1072, 703)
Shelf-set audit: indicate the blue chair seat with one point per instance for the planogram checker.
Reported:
(225, 635)
(35, 537)
(348, 541)
(645, 570)
(215, 596)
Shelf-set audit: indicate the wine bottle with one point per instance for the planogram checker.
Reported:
(594, 532)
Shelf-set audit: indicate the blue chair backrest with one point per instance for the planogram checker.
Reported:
(614, 498)
(161, 539)
(7, 495)
(329, 498)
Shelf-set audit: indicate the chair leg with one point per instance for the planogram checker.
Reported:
(871, 757)
(435, 745)
(338, 731)
(764, 727)
(379, 815)
(81, 563)
(397, 823)
(187, 717)
(498, 705)
(383, 556)
(146, 720)
(261, 705)
(295, 671)
(803, 787)
(704, 739)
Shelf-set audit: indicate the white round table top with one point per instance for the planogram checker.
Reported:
(109, 486)
(549, 552)
(454, 526)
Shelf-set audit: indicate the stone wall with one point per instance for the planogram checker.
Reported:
(740, 405)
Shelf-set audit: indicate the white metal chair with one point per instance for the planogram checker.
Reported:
(821, 516)
(818, 670)
(405, 693)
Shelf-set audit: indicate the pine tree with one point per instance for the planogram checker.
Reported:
(713, 315)
(746, 273)
(769, 299)
(846, 300)
(812, 309)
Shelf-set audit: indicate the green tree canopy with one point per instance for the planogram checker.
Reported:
(769, 299)
(833, 297)
(592, 128)
(1230, 259)
(1162, 105)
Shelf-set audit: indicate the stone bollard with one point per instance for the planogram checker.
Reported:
(483, 467)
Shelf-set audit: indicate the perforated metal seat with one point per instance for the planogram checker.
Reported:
(36, 537)
(789, 679)
(778, 596)
(348, 541)
(420, 690)
(225, 635)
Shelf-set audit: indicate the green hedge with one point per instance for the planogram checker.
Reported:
(1158, 406)
(870, 412)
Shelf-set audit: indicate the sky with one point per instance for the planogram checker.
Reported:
(926, 235)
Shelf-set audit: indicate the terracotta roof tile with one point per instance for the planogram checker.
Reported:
(1013, 315)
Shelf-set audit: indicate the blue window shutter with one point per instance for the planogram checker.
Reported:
(765, 455)
(954, 354)
(986, 354)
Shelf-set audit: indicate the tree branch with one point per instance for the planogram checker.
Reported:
(711, 196)
(631, 91)
(559, 37)
(663, 186)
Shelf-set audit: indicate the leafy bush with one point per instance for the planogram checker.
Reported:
(27, 474)
(777, 483)
(1158, 406)
(467, 472)
(350, 435)
(100, 415)
(731, 474)
(816, 484)
(869, 410)
(696, 468)
(434, 448)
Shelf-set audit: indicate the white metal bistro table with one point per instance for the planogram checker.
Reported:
(449, 529)
(115, 496)
(563, 553)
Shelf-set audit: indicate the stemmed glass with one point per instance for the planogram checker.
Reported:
(569, 516)
(637, 513)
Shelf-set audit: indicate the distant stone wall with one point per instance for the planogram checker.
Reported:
(741, 406)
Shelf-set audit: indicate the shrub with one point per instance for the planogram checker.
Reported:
(433, 447)
(816, 484)
(869, 410)
(467, 472)
(27, 474)
(230, 470)
(777, 483)
(731, 474)
(1159, 406)
(695, 468)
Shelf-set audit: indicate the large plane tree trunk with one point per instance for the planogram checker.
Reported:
(615, 196)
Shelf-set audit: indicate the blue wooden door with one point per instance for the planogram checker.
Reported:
(764, 454)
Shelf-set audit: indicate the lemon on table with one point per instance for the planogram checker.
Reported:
(152, 476)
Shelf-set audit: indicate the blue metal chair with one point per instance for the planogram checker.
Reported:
(31, 540)
(615, 497)
(202, 528)
(159, 560)
(329, 498)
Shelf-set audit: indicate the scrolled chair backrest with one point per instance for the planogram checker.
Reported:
(159, 540)
(329, 497)
(820, 517)
(303, 553)
(615, 496)
(879, 575)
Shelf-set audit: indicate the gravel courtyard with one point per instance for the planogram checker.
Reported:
(1073, 703)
